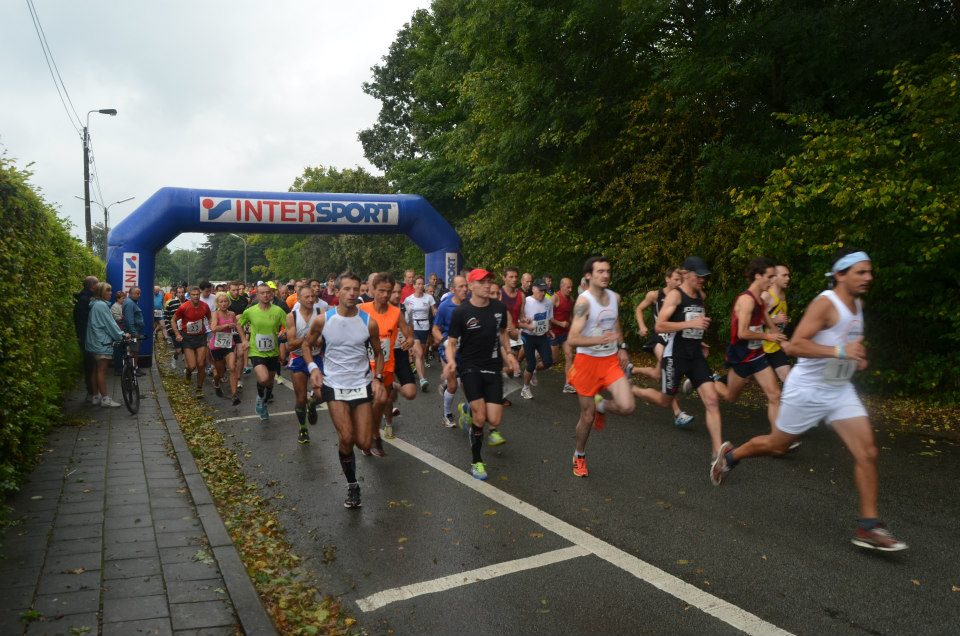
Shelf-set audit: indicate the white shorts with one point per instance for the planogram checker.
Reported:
(803, 407)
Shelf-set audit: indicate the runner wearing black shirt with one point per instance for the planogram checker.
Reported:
(478, 331)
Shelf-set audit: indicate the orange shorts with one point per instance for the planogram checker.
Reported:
(388, 378)
(589, 374)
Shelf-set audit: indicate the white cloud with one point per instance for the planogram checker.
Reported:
(240, 95)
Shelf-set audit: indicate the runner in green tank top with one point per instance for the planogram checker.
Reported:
(265, 320)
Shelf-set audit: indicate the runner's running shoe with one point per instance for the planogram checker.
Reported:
(526, 393)
(424, 385)
(218, 390)
(395, 412)
(108, 402)
(479, 471)
(495, 438)
(719, 468)
(580, 466)
(353, 496)
(376, 449)
(448, 420)
(683, 420)
(303, 437)
(261, 410)
(568, 388)
(388, 431)
(599, 419)
(879, 538)
(236, 399)
(465, 417)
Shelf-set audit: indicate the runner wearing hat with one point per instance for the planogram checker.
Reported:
(478, 331)
(683, 318)
(535, 333)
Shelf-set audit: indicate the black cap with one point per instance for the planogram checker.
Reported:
(540, 283)
(696, 265)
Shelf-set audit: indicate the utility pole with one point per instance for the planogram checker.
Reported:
(86, 172)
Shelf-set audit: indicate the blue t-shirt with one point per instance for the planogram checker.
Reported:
(444, 312)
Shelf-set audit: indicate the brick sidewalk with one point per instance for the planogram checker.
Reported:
(118, 534)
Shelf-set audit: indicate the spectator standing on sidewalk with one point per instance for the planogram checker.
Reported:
(133, 317)
(102, 332)
(81, 316)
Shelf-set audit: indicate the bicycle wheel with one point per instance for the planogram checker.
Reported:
(130, 389)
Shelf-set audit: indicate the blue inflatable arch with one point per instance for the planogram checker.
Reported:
(134, 242)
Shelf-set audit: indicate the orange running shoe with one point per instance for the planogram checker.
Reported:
(579, 466)
(599, 420)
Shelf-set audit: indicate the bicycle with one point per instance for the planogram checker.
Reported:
(129, 383)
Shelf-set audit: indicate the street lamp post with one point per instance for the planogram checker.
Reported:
(106, 218)
(86, 171)
(244, 256)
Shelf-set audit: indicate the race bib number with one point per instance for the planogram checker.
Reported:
(158, 313)
(385, 347)
(692, 313)
(400, 340)
(755, 344)
(606, 348)
(345, 395)
(839, 371)
(223, 340)
(541, 327)
(266, 342)
(194, 327)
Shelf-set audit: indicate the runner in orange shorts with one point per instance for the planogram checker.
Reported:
(601, 356)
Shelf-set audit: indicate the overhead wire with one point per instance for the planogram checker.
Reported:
(54, 69)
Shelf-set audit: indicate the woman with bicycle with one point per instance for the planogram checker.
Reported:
(223, 324)
(102, 333)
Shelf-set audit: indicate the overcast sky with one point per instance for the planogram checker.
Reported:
(239, 95)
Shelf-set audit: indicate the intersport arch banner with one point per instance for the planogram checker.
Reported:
(134, 242)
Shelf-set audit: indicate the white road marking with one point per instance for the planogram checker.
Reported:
(727, 612)
(250, 417)
(378, 600)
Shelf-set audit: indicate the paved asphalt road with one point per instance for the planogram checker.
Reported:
(769, 549)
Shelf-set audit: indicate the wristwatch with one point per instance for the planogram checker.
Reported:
(379, 376)
(622, 345)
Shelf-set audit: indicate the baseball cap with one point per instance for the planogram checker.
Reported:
(696, 265)
(272, 285)
(478, 275)
(540, 284)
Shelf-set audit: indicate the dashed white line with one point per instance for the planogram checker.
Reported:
(378, 600)
(250, 417)
(727, 612)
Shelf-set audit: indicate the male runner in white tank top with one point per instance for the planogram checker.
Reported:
(307, 308)
(601, 355)
(346, 383)
(829, 345)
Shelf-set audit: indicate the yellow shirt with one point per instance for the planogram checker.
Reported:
(779, 307)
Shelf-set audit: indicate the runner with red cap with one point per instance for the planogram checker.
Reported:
(478, 331)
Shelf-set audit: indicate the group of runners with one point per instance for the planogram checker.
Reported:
(361, 349)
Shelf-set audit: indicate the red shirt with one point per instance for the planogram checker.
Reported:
(406, 290)
(561, 313)
(193, 318)
(514, 303)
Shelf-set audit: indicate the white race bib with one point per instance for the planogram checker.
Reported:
(755, 344)
(266, 342)
(158, 313)
(690, 314)
(345, 395)
(399, 341)
(838, 371)
(194, 327)
(223, 340)
(607, 348)
(385, 347)
(541, 327)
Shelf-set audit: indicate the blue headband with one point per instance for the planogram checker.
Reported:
(845, 262)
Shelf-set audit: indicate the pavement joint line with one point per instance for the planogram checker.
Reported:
(251, 417)
(729, 613)
(406, 592)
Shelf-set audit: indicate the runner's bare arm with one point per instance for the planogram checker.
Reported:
(507, 352)
(820, 315)
(649, 299)
(581, 309)
(451, 365)
(292, 341)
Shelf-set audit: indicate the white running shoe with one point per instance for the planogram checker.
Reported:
(568, 388)
(525, 393)
(95, 399)
(107, 401)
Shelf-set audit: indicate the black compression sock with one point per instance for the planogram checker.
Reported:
(349, 467)
(301, 412)
(260, 389)
(476, 441)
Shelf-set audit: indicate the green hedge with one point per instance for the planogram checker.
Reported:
(42, 267)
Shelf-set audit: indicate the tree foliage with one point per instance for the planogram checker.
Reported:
(547, 131)
(43, 266)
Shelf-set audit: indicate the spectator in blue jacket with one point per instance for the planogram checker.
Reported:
(102, 332)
